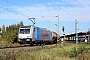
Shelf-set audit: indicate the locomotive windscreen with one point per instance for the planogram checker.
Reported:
(24, 31)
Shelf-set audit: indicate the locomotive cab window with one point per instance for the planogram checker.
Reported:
(24, 31)
(27, 31)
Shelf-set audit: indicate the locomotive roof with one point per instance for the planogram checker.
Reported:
(25, 26)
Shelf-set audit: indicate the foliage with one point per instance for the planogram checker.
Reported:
(9, 33)
(3, 30)
(73, 52)
(82, 48)
(78, 50)
(47, 53)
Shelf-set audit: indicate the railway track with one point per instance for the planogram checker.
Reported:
(28, 47)
(9, 49)
(25, 47)
(16, 48)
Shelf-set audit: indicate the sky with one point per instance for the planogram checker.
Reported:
(45, 12)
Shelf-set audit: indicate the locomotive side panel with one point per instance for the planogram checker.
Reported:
(45, 35)
(38, 33)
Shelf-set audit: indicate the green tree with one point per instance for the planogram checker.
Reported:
(21, 23)
(3, 30)
(11, 32)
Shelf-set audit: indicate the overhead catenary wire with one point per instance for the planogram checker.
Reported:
(13, 11)
(20, 13)
(83, 25)
(33, 12)
(49, 21)
(21, 7)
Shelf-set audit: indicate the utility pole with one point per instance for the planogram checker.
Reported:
(58, 25)
(76, 30)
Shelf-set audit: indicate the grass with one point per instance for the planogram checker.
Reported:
(6, 44)
(50, 53)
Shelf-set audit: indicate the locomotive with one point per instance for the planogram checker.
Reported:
(36, 35)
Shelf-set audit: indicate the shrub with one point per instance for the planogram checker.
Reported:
(73, 53)
(79, 50)
(82, 48)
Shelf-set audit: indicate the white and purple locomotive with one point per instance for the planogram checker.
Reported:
(36, 35)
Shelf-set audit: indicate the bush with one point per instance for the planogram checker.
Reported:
(79, 50)
(73, 53)
(82, 48)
